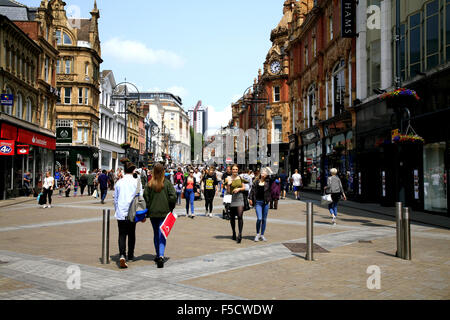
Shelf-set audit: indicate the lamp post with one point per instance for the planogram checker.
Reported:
(125, 96)
(152, 128)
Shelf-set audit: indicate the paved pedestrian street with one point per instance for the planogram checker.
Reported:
(55, 254)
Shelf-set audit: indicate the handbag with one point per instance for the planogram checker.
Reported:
(168, 223)
(138, 207)
(326, 199)
(41, 199)
(246, 203)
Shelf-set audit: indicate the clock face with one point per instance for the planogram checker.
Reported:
(275, 67)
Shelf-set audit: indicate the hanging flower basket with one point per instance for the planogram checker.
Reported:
(412, 139)
(125, 146)
(401, 92)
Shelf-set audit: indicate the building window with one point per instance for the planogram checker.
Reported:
(86, 69)
(86, 96)
(19, 106)
(338, 87)
(46, 69)
(447, 30)
(277, 130)
(276, 94)
(58, 36)
(432, 34)
(80, 95)
(67, 39)
(45, 116)
(314, 47)
(68, 69)
(64, 123)
(306, 56)
(58, 66)
(331, 27)
(29, 114)
(67, 95)
(312, 106)
(82, 134)
(414, 44)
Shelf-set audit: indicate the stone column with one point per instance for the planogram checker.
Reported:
(361, 51)
(386, 43)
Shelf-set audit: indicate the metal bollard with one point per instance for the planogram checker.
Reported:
(406, 235)
(105, 237)
(309, 232)
(399, 225)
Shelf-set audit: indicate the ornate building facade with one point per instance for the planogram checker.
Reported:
(78, 81)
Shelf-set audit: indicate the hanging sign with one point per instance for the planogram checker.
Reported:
(383, 182)
(416, 184)
(7, 147)
(7, 99)
(348, 18)
(23, 150)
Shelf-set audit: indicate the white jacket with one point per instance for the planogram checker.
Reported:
(124, 192)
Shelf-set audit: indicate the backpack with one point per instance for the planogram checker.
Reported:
(178, 177)
(138, 207)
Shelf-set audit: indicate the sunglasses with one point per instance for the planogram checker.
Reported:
(191, 172)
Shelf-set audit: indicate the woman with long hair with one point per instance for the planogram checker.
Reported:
(189, 187)
(334, 187)
(235, 187)
(260, 197)
(124, 192)
(161, 198)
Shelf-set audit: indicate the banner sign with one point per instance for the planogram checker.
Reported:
(7, 147)
(7, 99)
(64, 135)
(36, 139)
(348, 18)
(23, 150)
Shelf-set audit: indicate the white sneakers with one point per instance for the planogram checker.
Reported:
(260, 237)
(333, 221)
(46, 206)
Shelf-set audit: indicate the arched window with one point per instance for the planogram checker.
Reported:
(312, 106)
(67, 39)
(29, 110)
(338, 88)
(19, 106)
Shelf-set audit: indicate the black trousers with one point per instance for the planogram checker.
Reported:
(90, 189)
(82, 187)
(126, 228)
(48, 193)
(209, 199)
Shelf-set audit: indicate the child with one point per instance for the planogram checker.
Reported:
(75, 187)
(179, 189)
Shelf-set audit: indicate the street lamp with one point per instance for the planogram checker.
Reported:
(125, 96)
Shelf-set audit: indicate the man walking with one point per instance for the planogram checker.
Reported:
(103, 182)
(90, 182)
(297, 182)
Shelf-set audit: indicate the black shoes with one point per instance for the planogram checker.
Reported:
(234, 236)
(239, 239)
(160, 262)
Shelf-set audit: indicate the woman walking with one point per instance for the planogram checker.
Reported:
(275, 189)
(189, 186)
(210, 190)
(235, 187)
(160, 197)
(49, 185)
(260, 197)
(68, 184)
(334, 187)
(124, 192)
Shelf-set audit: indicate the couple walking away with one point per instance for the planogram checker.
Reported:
(160, 198)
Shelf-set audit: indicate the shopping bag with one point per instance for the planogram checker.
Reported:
(227, 198)
(95, 194)
(326, 199)
(40, 199)
(168, 223)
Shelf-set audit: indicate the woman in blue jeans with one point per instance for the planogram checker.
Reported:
(189, 186)
(260, 197)
(334, 187)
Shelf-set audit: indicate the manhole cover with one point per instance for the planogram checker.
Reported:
(301, 247)
(365, 241)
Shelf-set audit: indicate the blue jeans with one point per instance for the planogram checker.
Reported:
(262, 211)
(178, 197)
(158, 237)
(103, 192)
(333, 208)
(189, 195)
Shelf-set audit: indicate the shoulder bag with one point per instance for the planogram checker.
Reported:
(138, 206)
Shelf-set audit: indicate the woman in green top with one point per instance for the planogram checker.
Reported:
(235, 187)
(160, 197)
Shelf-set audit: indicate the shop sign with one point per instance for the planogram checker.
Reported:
(23, 150)
(36, 139)
(7, 99)
(64, 135)
(7, 147)
(395, 133)
(83, 170)
(348, 18)
(8, 132)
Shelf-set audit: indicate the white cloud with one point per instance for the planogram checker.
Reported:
(178, 91)
(218, 118)
(130, 51)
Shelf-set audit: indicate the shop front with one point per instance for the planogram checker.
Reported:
(293, 154)
(339, 151)
(311, 154)
(76, 159)
(31, 152)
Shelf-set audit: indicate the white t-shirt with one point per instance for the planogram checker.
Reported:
(198, 176)
(297, 180)
(48, 182)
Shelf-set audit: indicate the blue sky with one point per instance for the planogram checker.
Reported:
(204, 50)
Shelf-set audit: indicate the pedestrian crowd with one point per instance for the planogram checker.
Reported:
(162, 190)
